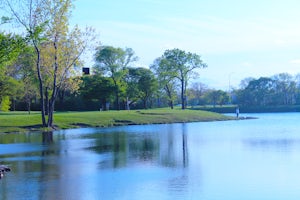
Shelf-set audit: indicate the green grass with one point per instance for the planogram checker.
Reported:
(22, 121)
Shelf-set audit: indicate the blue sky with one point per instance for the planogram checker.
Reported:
(236, 38)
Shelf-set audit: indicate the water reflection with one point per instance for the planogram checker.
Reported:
(184, 146)
(47, 137)
(125, 149)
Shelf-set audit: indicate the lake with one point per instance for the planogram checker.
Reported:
(240, 159)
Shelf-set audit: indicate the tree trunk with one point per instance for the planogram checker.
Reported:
(103, 105)
(47, 102)
(171, 104)
(28, 105)
(127, 104)
(54, 90)
(182, 95)
(41, 90)
(51, 111)
(169, 93)
(117, 101)
(145, 103)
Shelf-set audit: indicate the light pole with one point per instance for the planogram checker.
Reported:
(229, 86)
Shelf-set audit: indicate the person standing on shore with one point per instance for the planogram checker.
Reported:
(237, 112)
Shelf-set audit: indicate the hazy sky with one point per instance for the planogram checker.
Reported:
(236, 38)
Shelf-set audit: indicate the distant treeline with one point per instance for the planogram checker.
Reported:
(279, 93)
(279, 90)
(250, 109)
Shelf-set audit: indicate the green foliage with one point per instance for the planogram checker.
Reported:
(113, 62)
(5, 19)
(97, 88)
(217, 97)
(180, 65)
(10, 47)
(5, 104)
(142, 84)
(258, 92)
(280, 89)
(8, 86)
(196, 94)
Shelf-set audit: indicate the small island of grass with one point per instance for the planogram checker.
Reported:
(23, 122)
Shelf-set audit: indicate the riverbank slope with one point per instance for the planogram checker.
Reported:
(23, 122)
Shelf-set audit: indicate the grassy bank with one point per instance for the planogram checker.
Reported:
(22, 121)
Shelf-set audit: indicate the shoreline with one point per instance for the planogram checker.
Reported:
(21, 122)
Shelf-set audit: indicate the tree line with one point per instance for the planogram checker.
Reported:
(279, 89)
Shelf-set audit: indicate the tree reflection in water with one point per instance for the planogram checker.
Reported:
(120, 149)
(184, 146)
(47, 137)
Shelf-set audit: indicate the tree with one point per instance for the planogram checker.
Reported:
(113, 62)
(143, 83)
(98, 88)
(196, 92)
(297, 80)
(285, 88)
(57, 49)
(245, 82)
(23, 70)
(166, 81)
(217, 97)
(32, 16)
(132, 90)
(10, 47)
(259, 92)
(180, 65)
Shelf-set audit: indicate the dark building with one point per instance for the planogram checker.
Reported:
(86, 70)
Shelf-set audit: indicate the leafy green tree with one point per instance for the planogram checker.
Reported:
(285, 87)
(147, 85)
(224, 98)
(113, 62)
(182, 66)
(217, 97)
(196, 93)
(23, 70)
(10, 47)
(245, 82)
(259, 92)
(5, 104)
(166, 81)
(97, 88)
(9, 88)
(143, 83)
(57, 48)
(132, 92)
(32, 16)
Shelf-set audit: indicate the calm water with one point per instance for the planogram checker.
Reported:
(250, 159)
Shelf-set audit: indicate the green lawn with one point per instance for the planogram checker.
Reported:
(22, 121)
